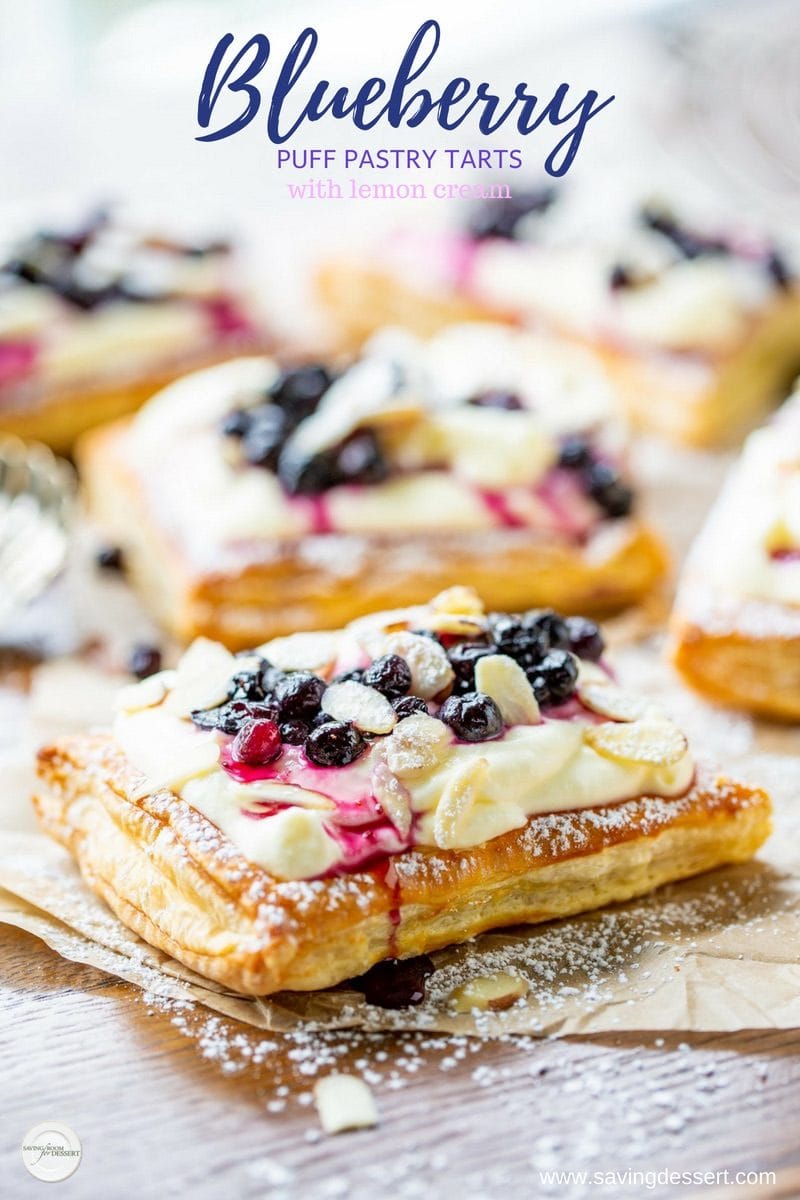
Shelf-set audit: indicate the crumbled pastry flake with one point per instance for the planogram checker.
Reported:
(418, 743)
(460, 601)
(314, 652)
(146, 694)
(656, 743)
(488, 993)
(392, 796)
(608, 700)
(344, 1102)
(202, 678)
(363, 706)
(499, 676)
(431, 672)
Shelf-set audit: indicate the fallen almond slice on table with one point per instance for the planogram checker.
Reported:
(488, 993)
(344, 1102)
(655, 743)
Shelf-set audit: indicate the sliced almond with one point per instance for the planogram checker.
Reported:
(293, 844)
(365, 394)
(344, 1102)
(364, 706)
(316, 652)
(145, 694)
(284, 793)
(505, 681)
(608, 700)
(453, 811)
(488, 993)
(461, 601)
(418, 744)
(655, 743)
(202, 678)
(431, 672)
(460, 626)
(393, 798)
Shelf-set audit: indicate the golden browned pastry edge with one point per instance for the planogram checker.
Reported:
(172, 877)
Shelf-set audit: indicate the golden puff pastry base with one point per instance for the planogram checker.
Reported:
(741, 653)
(281, 591)
(172, 877)
(58, 416)
(741, 386)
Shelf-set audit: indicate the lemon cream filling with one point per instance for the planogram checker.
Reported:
(416, 779)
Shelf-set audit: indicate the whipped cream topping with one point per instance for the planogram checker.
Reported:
(448, 458)
(750, 546)
(415, 784)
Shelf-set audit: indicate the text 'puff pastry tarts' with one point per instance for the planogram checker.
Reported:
(698, 327)
(287, 818)
(251, 502)
(95, 319)
(736, 623)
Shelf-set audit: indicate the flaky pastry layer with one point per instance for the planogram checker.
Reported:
(171, 876)
(262, 591)
(657, 393)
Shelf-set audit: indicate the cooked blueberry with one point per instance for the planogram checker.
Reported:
(230, 717)
(395, 983)
(299, 695)
(300, 390)
(144, 660)
(237, 423)
(685, 241)
(620, 277)
(110, 558)
(549, 624)
(247, 685)
(497, 399)
(585, 638)
(576, 452)
(553, 679)
(360, 459)
(270, 677)
(294, 733)
(473, 717)
(265, 436)
(334, 744)
(389, 675)
(407, 706)
(257, 743)
(463, 657)
(778, 269)
(302, 476)
(349, 677)
(322, 718)
(500, 218)
(519, 637)
(605, 486)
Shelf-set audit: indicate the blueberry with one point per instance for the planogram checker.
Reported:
(247, 685)
(395, 983)
(521, 637)
(553, 679)
(389, 675)
(237, 423)
(110, 558)
(265, 436)
(463, 657)
(348, 677)
(585, 638)
(294, 733)
(506, 401)
(360, 459)
(302, 476)
(299, 391)
(576, 452)
(500, 218)
(473, 717)
(229, 717)
(334, 744)
(620, 277)
(322, 718)
(299, 695)
(407, 706)
(144, 660)
(549, 625)
(607, 489)
(685, 241)
(270, 677)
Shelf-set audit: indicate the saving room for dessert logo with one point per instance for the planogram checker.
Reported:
(51, 1151)
(240, 88)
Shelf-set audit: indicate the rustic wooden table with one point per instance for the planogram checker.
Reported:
(164, 1107)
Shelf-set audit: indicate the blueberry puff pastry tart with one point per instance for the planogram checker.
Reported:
(698, 326)
(252, 501)
(95, 319)
(736, 624)
(287, 818)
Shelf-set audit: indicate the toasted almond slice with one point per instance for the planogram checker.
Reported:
(344, 1102)
(393, 798)
(656, 743)
(418, 744)
(364, 706)
(460, 626)
(302, 652)
(431, 672)
(180, 763)
(489, 993)
(505, 681)
(461, 601)
(611, 701)
(284, 793)
(202, 678)
(145, 694)
(456, 803)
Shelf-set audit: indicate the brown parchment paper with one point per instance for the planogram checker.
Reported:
(717, 953)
